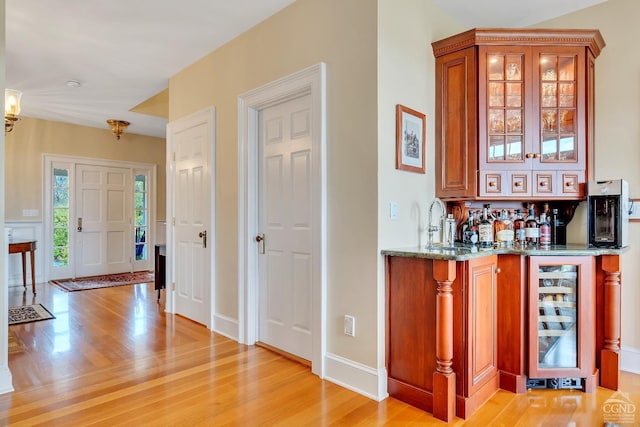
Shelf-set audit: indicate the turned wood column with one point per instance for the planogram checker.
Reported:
(444, 379)
(610, 321)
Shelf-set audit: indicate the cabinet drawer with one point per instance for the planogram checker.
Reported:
(491, 183)
(520, 183)
(545, 183)
(573, 183)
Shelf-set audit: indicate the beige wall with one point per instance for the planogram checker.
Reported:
(342, 34)
(33, 137)
(406, 75)
(617, 128)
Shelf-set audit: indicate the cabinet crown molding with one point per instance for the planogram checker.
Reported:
(592, 39)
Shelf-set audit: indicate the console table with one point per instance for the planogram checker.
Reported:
(19, 246)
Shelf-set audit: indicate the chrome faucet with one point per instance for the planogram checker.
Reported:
(433, 228)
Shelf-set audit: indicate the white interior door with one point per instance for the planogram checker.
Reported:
(285, 219)
(103, 220)
(191, 141)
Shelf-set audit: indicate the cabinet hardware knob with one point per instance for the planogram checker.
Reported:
(528, 155)
(544, 184)
(518, 184)
(568, 184)
(536, 156)
(498, 270)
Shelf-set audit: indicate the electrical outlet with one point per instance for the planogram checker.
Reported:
(349, 325)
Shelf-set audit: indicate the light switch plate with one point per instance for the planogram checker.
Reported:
(393, 210)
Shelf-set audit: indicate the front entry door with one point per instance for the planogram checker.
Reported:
(191, 141)
(103, 220)
(285, 219)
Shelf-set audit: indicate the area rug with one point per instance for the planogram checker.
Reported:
(15, 345)
(106, 281)
(28, 313)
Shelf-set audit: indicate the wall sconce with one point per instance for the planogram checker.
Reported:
(11, 108)
(118, 127)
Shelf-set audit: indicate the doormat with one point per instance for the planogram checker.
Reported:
(28, 313)
(105, 281)
(15, 345)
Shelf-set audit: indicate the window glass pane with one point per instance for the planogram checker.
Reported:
(550, 148)
(141, 218)
(61, 178)
(548, 68)
(514, 148)
(60, 237)
(141, 233)
(495, 67)
(141, 200)
(496, 148)
(514, 94)
(496, 121)
(550, 120)
(60, 198)
(513, 69)
(567, 124)
(568, 148)
(61, 217)
(514, 121)
(60, 257)
(140, 183)
(141, 252)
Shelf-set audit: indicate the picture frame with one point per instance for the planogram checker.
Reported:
(410, 139)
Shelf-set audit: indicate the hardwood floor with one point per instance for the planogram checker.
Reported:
(113, 357)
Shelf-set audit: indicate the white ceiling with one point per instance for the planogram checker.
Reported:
(123, 52)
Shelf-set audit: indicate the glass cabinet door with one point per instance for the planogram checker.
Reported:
(557, 316)
(505, 107)
(561, 316)
(558, 90)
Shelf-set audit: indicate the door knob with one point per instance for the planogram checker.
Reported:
(203, 236)
(79, 224)
(260, 240)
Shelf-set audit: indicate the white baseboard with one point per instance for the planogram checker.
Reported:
(6, 380)
(226, 326)
(630, 359)
(357, 377)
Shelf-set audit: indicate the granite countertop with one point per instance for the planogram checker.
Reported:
(461, 252)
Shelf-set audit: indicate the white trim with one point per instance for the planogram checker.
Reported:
(226, 326)
(357, 377)
(6, 380)
(630, 359)
(72, 161)
(311, 81)
(205, 116)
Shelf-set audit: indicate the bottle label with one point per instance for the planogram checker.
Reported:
(521, 235)
(532, 232)
(485, 232)
(545, 235)
(504, 236)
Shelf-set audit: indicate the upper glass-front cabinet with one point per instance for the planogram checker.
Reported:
(506, 112)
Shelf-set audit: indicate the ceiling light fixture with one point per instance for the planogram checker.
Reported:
(11, 108)
(118, 127)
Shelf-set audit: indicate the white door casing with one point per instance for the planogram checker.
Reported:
(310, 81)
(190, 204)
(103, 220)
(285, 203)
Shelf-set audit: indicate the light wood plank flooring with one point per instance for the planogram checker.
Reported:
(113, 357)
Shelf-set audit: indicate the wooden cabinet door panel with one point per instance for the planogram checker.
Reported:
(482, 311)
(456, 142)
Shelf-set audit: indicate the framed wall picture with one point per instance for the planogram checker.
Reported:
(410, 139)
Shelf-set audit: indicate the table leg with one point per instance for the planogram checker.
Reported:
(33, 272)
(24, 270)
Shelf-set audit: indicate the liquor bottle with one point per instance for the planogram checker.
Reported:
(469, 231)
(545, 231)
(531, 229)
(519, 228)
(558, 229)
(485, 230)
(504, 229)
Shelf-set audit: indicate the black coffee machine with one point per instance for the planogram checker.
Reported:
(608, 216)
